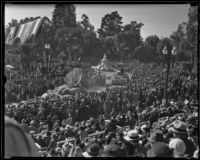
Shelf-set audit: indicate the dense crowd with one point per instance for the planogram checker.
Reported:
(129, 121)
(32, 81)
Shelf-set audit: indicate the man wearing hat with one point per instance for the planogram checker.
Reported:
(179, 131)
(155, 136)
(134, 138)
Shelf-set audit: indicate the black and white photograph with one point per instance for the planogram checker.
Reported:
(100, 80)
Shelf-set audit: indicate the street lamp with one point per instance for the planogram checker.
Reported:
(167, 58)
(174, 53)
(164, 52)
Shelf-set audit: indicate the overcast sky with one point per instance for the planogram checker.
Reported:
(161, 20)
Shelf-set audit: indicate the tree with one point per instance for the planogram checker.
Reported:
(92, 46)
(111, 24)
(144, 53)
(13, 23)
(28, 19)
(70, 41)
(131, 38)
(85, 23)
(109, 46)
(152, 42)
(121, 45)
(179, 38)
(185, 38)
(64, 16)
(192, 31)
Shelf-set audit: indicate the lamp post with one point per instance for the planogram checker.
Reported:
(47, 57)
(167, 54)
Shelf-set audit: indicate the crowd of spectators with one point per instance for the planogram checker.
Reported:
(129, 121)
(32, 81)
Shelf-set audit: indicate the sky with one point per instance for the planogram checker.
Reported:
(160, 19)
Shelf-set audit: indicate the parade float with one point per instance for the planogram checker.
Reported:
(81, 80)
(111, 75)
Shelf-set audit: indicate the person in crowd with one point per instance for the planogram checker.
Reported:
(24, 125)
(178, 146)
(49, 117)
(139, 150)
(53, 142)
(179, 131)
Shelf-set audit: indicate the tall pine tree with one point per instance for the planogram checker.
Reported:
(64, 16)
(111, 24)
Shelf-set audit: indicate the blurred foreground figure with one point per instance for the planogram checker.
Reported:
(17, 142)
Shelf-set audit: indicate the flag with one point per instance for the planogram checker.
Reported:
(28, 30)
(10, 37)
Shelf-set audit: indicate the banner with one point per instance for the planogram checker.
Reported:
(10, 37)
(28, 30)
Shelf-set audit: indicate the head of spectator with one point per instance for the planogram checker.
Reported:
(159, 149)
(132, 136)
(145, 129)
(93, 150)
(156, 136)
(23, 121)
(179, 129)
(178, 147)
(32, 123)
(120, 135)
(113, 150)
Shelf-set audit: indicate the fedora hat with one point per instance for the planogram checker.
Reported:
(179, 127)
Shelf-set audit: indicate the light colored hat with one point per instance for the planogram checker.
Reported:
(32, 132)
(32, 122)
(143, 127)
(179, 127)
(132, 135)
(178, 145)
(186, 102)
